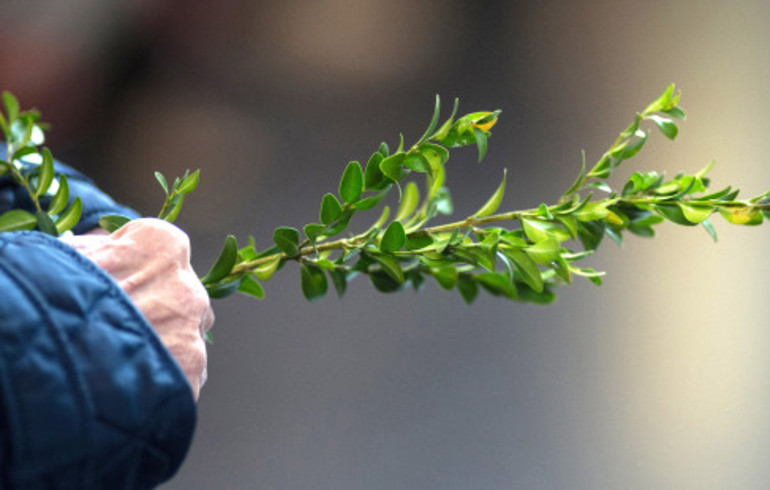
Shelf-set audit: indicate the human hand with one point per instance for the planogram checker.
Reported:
(150, 261)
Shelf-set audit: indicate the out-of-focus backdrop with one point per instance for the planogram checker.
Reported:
(658, 379)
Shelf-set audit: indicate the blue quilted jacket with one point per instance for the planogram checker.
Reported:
(89, 396)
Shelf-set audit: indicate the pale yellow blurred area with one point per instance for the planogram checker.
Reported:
(690, 369)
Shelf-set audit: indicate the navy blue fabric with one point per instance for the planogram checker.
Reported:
(89, 396)
(95, 202)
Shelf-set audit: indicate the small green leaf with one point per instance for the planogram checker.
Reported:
(444, 129)
(526, 267)
(446, 277)
(467, 288)
(477, 256)
(481, 142)
(249, 252)
(569, 224)
(433, 122)
(373, 176)
(602, 186)
(352, 182)
(393, 167)
(493, 203)
(250, 287)
(593, 211)
(497, 284)
(17, 219)
(162, 181)
(394, 237)
(224, 263)
(325, 264)
(490, 242)
(591, 233)
(340, 224)
(544, 212)
(70, 217)
(112, 222)
(223, 289)
(373, 200)
(544, 297)
(435, 155)
(23, 152)
(590, 274)
(287, 239)
(562, 269)
(702, 173)
(695, 213)
(409, 201)
(45, 178)
(642, 231)
(340, 282)
(579, 180)
(536, 230)
(385, 283)
(436, 181)
(515, 238)
(418, 242)
(545, 251)
(418, 163)
(189, 183)
(61, 198)
(673, 213)
(176, 207)
(313, 231)
(676, 112)
(391, 267)
(666, 126)
(602, 169)
(11, 105)
(633, 148)
(265, 270)
(330, 209)
(663, 101)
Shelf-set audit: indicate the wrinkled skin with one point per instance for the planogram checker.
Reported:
(150, 260)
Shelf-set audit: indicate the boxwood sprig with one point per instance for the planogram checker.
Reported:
(521, 255)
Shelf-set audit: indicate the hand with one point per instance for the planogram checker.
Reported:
(150, 260)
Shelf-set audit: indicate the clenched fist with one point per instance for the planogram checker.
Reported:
(150, 260)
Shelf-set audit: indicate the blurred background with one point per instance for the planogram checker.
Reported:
(658, 379)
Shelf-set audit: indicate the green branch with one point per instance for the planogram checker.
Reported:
(521, 255)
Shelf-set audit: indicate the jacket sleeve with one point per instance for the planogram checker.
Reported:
(95, 202)
(89, 396)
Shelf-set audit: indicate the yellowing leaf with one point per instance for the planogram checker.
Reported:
(742, 216)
